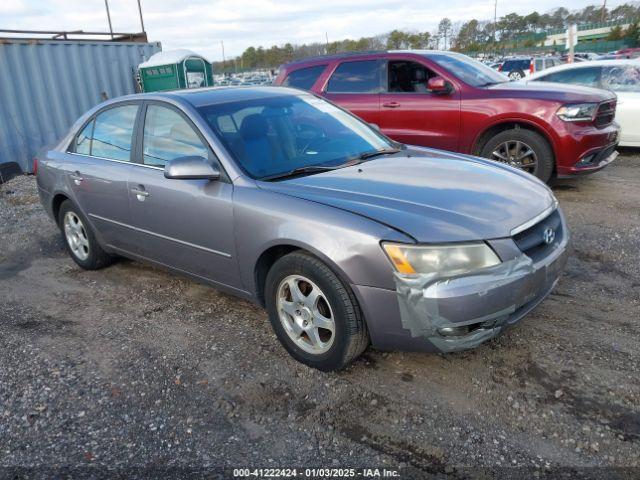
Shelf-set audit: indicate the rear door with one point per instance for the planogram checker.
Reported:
(411, 114)
(356, 85)
(185, 224)
(98, 175)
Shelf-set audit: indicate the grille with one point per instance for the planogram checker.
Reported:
(605, 114)
(531, 241)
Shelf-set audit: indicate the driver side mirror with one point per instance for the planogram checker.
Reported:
(439, 86)
(191, 168)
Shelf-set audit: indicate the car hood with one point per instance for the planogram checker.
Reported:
(430, 195)
(552, 91)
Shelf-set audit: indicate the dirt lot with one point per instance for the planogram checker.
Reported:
(134, 368)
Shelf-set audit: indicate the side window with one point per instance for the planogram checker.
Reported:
(82, 143)
(589, 76)
(408, 77)
(621, 78)
(539, 65)
(304, 78)
(113, 132)
(356, 77)
(167, 136)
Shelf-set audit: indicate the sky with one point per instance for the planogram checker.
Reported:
(201, 25)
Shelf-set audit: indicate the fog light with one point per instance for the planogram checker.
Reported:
(453, 331)
(586, 161)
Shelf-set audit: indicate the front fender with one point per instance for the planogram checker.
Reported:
(348, 243)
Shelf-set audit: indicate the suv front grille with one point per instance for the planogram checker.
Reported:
(532, 240)
(605, 114)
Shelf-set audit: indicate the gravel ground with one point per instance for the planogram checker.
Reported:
(135, 372)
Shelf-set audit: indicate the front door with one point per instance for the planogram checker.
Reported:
(411, 114)
(184, 224)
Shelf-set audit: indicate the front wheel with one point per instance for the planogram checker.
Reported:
(523, 149)
(314, 315)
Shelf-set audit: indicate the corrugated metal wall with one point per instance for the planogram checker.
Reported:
(45, 85)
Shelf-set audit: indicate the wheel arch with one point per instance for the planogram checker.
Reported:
(504, 125)
(56, 202)
(273, 253)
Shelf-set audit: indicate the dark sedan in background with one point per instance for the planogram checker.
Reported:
(275, 195)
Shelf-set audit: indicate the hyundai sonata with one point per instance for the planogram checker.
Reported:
(275, 195)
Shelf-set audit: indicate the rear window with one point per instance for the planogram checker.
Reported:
(589, 76)
(304, 78)
(356, 77)
(514, 65)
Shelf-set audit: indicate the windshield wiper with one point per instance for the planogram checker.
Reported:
(299, 171)
(375, 153)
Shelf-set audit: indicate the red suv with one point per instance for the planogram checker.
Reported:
(448, 101)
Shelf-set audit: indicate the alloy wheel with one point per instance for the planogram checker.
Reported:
(305, 314)
(76, 235)
(517, 154)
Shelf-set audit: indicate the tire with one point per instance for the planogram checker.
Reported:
(349, 337)
(516, 75)
(79, 239)
(495, 150)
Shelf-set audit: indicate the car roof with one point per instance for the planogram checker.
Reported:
(218, 95)
(368, 53)
(589, 63)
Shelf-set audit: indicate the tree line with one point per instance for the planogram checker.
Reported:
(471, 36)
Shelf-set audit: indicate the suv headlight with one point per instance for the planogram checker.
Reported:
(446, 260)
(581, 112)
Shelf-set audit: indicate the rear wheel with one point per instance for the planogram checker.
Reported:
(79, 239)
(523, 149)
(315, 317)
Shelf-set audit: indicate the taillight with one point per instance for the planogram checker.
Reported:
(35, 166)
(531, 68)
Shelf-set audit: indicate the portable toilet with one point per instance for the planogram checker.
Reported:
(175, 69)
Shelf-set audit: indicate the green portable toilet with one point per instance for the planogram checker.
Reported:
(175, 69)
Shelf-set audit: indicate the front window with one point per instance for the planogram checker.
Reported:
(621, 78)
(275, 135)
(168, 136)
(470, 71)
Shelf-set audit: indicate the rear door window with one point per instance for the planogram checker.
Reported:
(588, 76)
(356, 77)
(113, 132)
(304, 78)
(167, 135)
(515, 65)
(83, 140)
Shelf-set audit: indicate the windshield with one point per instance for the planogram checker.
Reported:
(470, 71)
(274, 135)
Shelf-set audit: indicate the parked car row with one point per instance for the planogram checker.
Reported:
(335, 216)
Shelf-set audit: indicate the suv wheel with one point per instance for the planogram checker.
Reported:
(79, 239)
(516, 75)
(524, 149)
(315, 317)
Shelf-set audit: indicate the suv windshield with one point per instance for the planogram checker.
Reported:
(468, 70)
(272, 136)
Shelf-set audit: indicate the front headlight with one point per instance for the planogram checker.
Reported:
(445, 260)
(581, 112)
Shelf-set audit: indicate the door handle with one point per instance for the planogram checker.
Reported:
(140, 192)
(391, 104)
(76, 177)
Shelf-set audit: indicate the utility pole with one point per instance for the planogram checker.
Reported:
(222, 43)
(140, 12)
(604, 10)
(106, 4)
(326, 37)
(495, 21)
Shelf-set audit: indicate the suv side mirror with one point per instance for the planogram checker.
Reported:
(438, 85)
(191, 168)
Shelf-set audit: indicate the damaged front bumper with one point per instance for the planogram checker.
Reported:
(459, 313)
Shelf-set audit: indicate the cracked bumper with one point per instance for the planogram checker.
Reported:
(486, 302)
